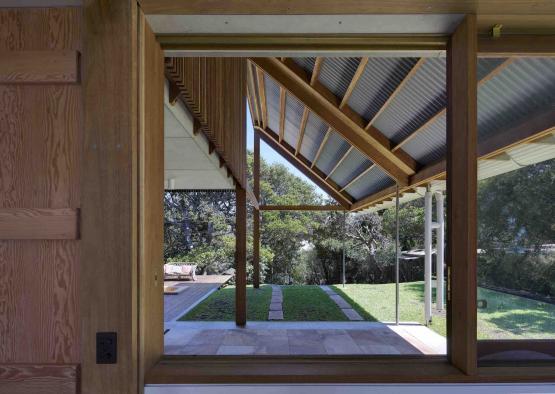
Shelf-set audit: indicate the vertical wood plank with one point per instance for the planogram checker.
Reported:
(240, 256)
(256, 214)
(40, 137)
(109, 234)
(461, 194)
(151, 196)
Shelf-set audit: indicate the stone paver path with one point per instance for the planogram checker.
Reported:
(342, 304)
(276, 304)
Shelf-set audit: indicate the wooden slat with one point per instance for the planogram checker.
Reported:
(39, 378)
(320, 148)
(356, 178)
(282, 97)
(262, 93)
(297, 161)
(47, 66)
(341, 159)
(240, 256)
(358, 73)
(302, 128)
(462, 185)
(39, 223)
(214, 89)
(302, 208)
(331, 114)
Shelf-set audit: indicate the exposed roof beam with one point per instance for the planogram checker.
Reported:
(321, 147)
(302, 208)
(533, 128)
(394, 94)
(313, 79)
(262, 92)
(251, 84)
(281, 113)
(358, 73)
(432, 119)
(517, 45)
(356, 178)
(303, 165)
(337, 119)
(302, 127)
(340, 161)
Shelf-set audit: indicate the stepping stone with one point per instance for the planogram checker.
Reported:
(275, 315)
(352, 314)
(277, 299)
(275, 306)
(340, 302)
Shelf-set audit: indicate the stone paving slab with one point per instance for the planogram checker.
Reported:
(275, 306)
(342, 304)
(275, 315)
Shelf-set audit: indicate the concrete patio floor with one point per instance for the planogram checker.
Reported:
(301, 338)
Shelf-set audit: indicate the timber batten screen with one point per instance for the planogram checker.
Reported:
(214, 90)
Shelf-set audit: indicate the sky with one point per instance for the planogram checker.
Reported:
(271, 156)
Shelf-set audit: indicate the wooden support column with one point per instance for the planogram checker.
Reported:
(256, 214)
(240, 256)
(461, 195)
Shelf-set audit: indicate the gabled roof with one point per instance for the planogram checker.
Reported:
(400, 104)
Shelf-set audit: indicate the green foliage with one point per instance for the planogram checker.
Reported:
(515, 222)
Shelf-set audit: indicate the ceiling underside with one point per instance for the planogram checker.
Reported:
(401, 103)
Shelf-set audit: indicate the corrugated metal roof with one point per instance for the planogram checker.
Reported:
(524, 87)
(293, 114)
(306, 63)
(353, 165)
(336, 73)
(380, 78)
(333, 150)
(429, 145)
(421, 98)
(313, 135)
(371, 182)
(272, 103)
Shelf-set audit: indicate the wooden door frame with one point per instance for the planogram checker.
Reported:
(112, 145)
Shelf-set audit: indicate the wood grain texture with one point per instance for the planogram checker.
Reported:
(255, 370)
(462, 138)
(36, 223)
(40, 137)
(39, 378)
(109, 220)
(151, 197)
(288, 7)
(54, 66)
(214, 90)
(240, 256)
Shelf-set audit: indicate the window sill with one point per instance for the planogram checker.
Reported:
(273, 369)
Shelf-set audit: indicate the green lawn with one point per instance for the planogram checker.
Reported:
(220, 305)
(309, 303)
(377, 302)
(506, 317)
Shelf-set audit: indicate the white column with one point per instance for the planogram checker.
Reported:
(428, 256)
(440, 260)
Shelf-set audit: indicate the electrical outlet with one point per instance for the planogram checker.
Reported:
(106, 347)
